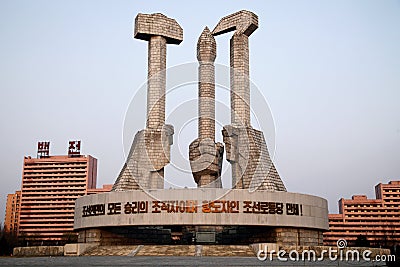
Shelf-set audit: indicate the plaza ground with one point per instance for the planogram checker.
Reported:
(165, 261)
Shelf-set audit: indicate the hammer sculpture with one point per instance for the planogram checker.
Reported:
(150, 150)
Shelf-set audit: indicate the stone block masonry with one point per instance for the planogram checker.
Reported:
(204, 154)
(244, 23)
(144, 167)
(150, 150)
(159, 31)
(252, 167)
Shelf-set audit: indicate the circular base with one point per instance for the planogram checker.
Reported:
(201, 206)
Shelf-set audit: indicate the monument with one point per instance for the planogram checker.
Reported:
(150, 151)
(204, 154)
(257, 209)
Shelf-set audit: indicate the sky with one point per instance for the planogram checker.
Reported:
(328, 73)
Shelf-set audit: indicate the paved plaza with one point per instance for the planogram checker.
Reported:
(165, 261)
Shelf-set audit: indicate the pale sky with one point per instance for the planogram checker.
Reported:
(329, 71)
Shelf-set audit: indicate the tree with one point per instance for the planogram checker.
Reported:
(7, 242)
(362, 241)
(69, 237)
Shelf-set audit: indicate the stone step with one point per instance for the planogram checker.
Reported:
(199, 250)
(173, 250)
(167, 250)
(111, 251)
(227, 251)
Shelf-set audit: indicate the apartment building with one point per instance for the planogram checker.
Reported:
(377, 220)
(42, 212)
(12, 213)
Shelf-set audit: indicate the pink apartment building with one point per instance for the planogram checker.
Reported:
(378, 220)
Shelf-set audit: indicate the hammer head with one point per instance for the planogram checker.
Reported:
(243, 21)
(157, 24)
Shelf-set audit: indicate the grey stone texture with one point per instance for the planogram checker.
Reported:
(252, 167)
(206, 54)
(159, 31)
(204, 154)
(38, 251)
(244, 23)
(150, 150)
(156, 82)
(157, 24)
(78, 249)
(173, 250)
(298, 237)
(206, 162)
(144, 167)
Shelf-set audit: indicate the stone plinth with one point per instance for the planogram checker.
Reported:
(236, 216)
(201, 206)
